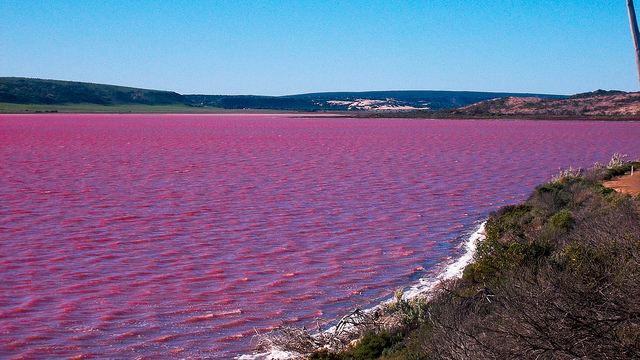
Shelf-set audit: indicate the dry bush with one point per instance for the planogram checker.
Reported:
(303, 341)
(617, 160)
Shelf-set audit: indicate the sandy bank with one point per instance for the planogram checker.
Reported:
(627, 184)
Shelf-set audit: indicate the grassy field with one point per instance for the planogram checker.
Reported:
(7, 108)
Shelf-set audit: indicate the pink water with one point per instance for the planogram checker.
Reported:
(171, 236)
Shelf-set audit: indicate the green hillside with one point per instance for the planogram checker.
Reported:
(19, 95)
(55, 92)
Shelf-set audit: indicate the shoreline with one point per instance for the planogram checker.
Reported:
(184, 111)
(499, 265)
(548, 272)
(87, 109)
(423, 288)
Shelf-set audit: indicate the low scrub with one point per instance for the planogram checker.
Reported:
(371, 346)
(557, 278)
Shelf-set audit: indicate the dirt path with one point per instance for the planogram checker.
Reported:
(626, 184)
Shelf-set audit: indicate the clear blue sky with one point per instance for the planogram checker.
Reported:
(278, 47)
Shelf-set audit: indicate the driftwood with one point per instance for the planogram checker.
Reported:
(359, 321)
(290, 339)
(302, 341)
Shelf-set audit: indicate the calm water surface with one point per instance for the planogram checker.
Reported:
(171, 236)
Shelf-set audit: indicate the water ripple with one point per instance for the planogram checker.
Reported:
(176, 236)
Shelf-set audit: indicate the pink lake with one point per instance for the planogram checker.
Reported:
(175, 236)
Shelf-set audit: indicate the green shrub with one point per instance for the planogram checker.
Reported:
(623, 169)
(496, 258)
(602, 190)
(509, 219)
(372, 345)
(552, 197)
(506, 245)
(412, 351)
(563, 220)
(549, 188)
(412, 312)
(619, 171)
(584, 261)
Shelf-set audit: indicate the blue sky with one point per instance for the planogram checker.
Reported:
(277, 47)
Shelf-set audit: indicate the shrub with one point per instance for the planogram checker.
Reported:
(509, 219)
(549, 188)
(502, 257)
(567, 174)
(372, 345)
(596, 174)
(506, 245)
(324, 354)
(629, 334)
(602, 190)
(550, 197)
(563, 220)
(583, 260)
(411, 312)
(618, 171)
(617, 160)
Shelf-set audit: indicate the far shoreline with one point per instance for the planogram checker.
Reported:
(90, 109)
(352, 115)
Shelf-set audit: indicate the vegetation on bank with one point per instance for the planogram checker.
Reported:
(20, 95)
(8, 108)
(54, 92)
(23, 95)
(356, 102)
(596, 104)
(558, 277)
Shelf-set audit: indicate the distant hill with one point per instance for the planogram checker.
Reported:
(410, 100)
(356, 101)
(55, 92)
(63, 93)
(596, 103)
(236, 102)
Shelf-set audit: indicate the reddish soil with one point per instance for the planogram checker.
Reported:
(626, 184)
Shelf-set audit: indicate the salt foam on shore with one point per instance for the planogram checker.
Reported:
(424, 286)
(451, 271)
